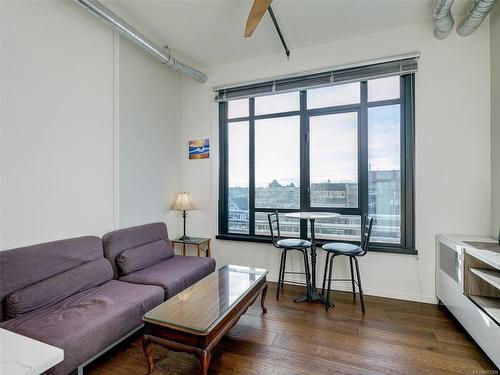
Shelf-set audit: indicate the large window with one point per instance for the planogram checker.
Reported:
(346, 148)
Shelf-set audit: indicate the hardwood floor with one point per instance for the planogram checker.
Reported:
(394, 337)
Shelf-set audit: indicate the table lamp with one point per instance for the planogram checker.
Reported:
(184, 202)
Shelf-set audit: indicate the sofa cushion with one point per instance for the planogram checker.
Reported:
(58, 287)
(140, 257)
(28, 265)
(117, 241)
(174, 274)
(86, 323)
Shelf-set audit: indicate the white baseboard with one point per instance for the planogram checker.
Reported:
(346, 287)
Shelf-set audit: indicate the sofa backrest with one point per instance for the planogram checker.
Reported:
(118, 241)
(28, 265)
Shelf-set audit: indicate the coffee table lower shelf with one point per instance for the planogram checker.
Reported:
(197, 343)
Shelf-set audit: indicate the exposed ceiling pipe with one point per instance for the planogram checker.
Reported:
(443, 18)
(111, 19)
(475, 17)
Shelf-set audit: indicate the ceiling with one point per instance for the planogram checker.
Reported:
(210, 32)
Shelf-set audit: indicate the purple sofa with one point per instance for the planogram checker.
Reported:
(124, 249)
(63, 293)
(67, 294)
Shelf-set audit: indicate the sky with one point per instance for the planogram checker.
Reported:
(333, 138)
(333, 148)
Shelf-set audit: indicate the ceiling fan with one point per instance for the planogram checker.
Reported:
(258, 10)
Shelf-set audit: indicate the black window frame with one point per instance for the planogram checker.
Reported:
(407, 143)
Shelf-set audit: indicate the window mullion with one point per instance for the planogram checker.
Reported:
(251, 167)
(408, 167)
(223, 167)
(402, 152)
(304, 162)
(363, 150)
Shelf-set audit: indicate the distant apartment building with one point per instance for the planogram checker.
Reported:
(384, 203)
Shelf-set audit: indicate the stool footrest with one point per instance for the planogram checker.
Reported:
(294, 283)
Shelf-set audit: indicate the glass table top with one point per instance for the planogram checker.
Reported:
(201, 306)
(192, 240)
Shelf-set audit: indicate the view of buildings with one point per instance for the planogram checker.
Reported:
(384, 204)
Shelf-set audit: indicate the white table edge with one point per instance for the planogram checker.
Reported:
(10, 353)
(308, 215)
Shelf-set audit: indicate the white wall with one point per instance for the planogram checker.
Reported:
(150, 130)
(495, 121)
(62, 99)
(57, 113)
(452, 147)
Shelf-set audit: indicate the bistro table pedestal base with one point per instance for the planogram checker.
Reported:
(301, 298)
(312, 292)
(314, 297)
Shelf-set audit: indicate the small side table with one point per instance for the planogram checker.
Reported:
(202, 244)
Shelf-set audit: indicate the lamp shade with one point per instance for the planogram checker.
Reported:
(184, 202)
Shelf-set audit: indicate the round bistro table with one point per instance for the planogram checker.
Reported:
(312, 294)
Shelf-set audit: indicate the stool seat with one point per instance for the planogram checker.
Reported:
(293, 243)
(341, 248)
(334, 249)
(287, 245)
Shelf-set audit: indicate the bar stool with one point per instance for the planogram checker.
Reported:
(286, 245)
(334, 249)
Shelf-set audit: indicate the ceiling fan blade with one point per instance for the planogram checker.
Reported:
(258, 10)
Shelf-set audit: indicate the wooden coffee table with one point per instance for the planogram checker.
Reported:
(196, 319)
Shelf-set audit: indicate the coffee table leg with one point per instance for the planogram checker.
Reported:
(263, 300)
(204, 360)
(147, 348)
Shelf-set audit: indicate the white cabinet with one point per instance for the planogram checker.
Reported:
(466, 282)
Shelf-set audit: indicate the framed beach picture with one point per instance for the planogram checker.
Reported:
(199, 149)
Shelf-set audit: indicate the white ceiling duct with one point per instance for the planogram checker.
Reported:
(443, 18)
(475, 17)
(111, 19)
